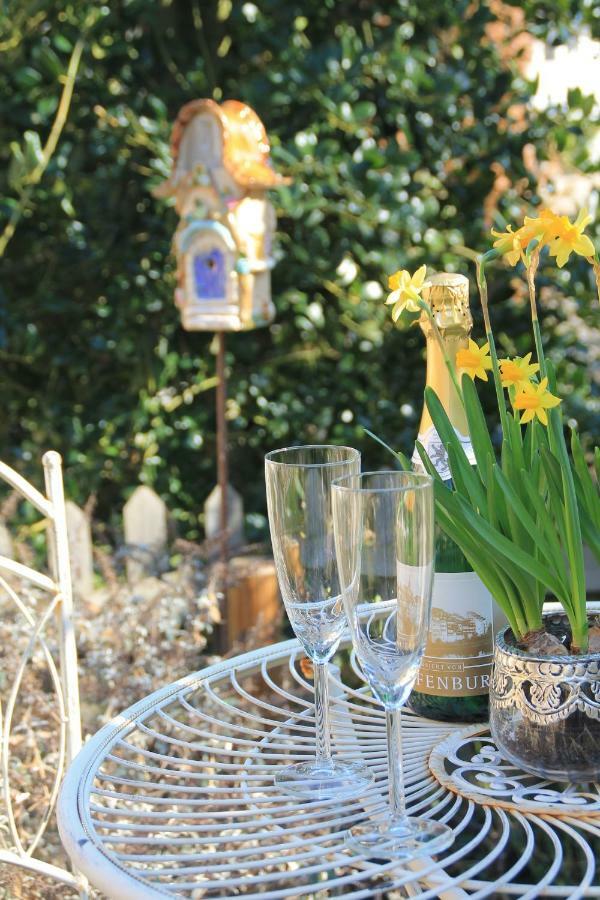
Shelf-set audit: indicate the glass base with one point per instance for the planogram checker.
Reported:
(413, 837)
(322, 781)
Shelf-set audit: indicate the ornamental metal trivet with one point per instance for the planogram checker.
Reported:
(469, 763)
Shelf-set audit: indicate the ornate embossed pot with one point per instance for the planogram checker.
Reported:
(545, 710)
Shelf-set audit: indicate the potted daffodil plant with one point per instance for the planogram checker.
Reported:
(522, 515)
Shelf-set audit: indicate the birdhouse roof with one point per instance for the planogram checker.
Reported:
(246, 149)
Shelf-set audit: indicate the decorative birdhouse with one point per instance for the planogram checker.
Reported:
(220, 178)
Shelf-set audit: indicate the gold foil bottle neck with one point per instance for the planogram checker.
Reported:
(447, 293)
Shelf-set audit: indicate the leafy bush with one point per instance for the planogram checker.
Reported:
(395, 122)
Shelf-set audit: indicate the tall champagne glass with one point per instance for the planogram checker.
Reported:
(301, 522)
(384, 538)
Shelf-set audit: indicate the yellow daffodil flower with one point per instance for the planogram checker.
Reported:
(474, 360)
(535, 399)
(512, 244)
(570, 238)
(543, 227)
(518, 371)
(509, 244)
(394, 280)
(406, 291)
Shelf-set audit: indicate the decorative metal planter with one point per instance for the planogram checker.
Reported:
(545, 710)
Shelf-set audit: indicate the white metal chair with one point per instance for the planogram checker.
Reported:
(62, 672)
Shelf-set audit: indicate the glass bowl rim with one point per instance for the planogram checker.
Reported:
(353, 456)
(421, 478)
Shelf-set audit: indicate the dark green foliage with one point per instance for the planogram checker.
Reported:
(388, 117)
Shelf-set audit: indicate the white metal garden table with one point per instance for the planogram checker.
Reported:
(175, 797)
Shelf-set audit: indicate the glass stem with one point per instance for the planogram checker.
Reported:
(322, 727)
(396, 778)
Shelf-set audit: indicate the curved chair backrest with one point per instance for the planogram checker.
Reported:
(57, 588)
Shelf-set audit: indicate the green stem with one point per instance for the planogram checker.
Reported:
(556, 438)
(573, 541)
(483, 296)
(529, 618)
(539, 348)
(510, 617)
(579, 636)
(533, 611)
(517, 611)
(531, 268)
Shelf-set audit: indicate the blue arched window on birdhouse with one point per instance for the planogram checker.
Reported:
(209, 274)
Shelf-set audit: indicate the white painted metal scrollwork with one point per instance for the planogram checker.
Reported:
(16, 582)
(469, 763)
(175, 797)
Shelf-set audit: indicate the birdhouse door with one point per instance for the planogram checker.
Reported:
(210, 275)
(210, 298)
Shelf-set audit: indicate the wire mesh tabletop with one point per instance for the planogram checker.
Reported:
(175, 797)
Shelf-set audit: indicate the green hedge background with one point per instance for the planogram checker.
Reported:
(391, 118)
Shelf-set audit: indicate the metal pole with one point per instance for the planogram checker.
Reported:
(222, 466)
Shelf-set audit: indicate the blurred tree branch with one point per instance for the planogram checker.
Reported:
(60, 119)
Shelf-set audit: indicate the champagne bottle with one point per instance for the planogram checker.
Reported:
(453, 681)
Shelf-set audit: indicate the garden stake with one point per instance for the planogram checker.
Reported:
(222, 472)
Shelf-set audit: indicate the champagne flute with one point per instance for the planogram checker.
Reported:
(384, 538)
(300, 517)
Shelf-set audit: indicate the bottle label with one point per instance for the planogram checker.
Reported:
(460, 645)
(436, 452)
